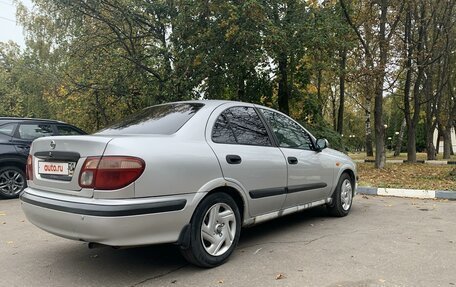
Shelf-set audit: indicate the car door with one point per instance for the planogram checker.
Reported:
(27, 132)
(310, 172)
(247, 156)
(6, 134)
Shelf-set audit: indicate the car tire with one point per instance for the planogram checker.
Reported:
(342, 198)
(12, 182)
(212, 239)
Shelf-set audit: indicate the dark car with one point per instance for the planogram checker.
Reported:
(16, 136)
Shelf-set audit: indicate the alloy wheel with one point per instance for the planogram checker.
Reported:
(12, 182)
(218, 229)
(346, 194)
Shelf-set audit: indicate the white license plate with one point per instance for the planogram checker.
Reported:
(57, 168)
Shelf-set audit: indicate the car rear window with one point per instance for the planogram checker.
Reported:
(162, 119)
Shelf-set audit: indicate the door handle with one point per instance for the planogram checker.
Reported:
(292, 160)
(233, 159)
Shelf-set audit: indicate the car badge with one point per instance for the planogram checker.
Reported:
(52, 144)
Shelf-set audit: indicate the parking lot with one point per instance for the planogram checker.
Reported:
(383, 242)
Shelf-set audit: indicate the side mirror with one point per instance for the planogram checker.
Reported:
(322, 144)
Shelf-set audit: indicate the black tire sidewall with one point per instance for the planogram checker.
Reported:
(8, 196)
(199, 254)
(335, 207)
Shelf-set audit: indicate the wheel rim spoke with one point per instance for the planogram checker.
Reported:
(213, 214)
(226, 216)
(218, 246)
(230, 232)
(208, 237)
(16, 176)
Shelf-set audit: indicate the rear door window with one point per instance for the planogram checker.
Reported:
(33, 131)
(163, 119)
(7, 129)
(67, 130)
(240, 125)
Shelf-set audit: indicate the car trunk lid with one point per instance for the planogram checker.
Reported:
(57, 162)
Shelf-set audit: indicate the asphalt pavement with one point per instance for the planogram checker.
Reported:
(383, 242)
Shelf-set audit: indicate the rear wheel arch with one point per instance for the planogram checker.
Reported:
(16, 162)
(235, 194)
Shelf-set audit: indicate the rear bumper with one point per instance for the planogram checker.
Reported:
(103, 209)
(122, 222)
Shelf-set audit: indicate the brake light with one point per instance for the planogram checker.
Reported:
(29, 168)
(110, 172)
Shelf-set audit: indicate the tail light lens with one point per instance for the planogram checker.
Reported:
(110, 172)
(29, 168)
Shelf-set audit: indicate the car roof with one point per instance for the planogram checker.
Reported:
(20, 120)
(213, 103)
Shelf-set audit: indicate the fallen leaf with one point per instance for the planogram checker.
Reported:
(280, 276)
(258, 250)
(220, 281)
(382, 280)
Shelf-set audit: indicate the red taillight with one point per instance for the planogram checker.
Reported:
(110, 172)
(29, 168)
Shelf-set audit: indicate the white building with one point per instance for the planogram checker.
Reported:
(453, 140)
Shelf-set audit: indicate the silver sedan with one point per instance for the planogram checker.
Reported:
(192, 173)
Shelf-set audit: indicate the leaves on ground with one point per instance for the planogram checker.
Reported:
(402, 156)
(280, 276)
(404, 175)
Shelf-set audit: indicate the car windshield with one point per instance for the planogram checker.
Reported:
(162, 119)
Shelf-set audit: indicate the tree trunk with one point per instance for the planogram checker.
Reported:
(439, 135)
(400, 137)
(369, 147)
(411, 140)
(411, 145)
(319, 97)
(380, 156)
(446, 143)
(283, 92)
(340, 117)
(241, 89)
(333, 102)
(430, 123)
(430, 148)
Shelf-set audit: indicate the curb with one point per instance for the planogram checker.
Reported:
(412, 193)
(435, 162)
